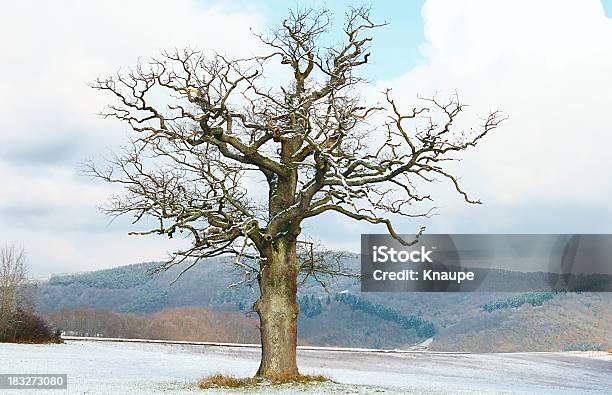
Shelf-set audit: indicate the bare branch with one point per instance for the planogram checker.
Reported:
(208, 128)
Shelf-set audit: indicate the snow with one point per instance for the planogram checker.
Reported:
(139, 368)
(424, 345)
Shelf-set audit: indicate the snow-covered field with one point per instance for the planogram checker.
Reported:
(125, 368)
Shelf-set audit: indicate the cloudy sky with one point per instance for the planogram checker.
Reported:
(547, 64)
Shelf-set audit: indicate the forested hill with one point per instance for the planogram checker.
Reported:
(342, 316)
(132, 289)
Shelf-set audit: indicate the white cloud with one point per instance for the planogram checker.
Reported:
(73, 251)
(547, 65)
(50, 51)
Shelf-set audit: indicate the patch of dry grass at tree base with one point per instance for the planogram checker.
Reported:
(223, 381)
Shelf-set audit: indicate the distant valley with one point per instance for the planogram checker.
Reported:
(128, 302)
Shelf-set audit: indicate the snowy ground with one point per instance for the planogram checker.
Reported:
(126, 368)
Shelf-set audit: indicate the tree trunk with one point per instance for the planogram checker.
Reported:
(278, 310)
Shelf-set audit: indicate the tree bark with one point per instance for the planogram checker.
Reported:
(278, 310)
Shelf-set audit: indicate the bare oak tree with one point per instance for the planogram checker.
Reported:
(207, 126)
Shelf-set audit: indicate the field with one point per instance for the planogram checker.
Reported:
(138, 368)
